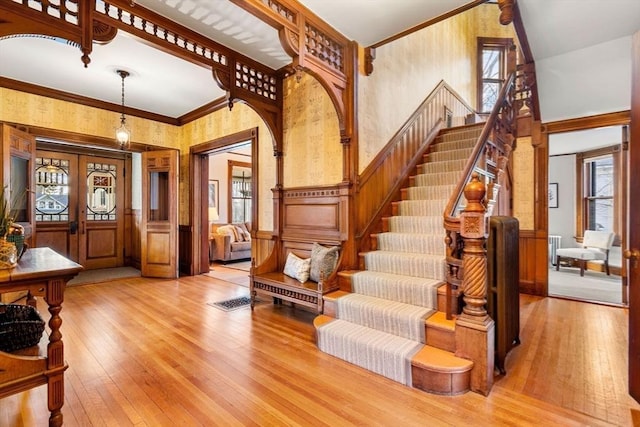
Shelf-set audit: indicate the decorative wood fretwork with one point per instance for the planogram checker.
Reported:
(84, 22)
(140, 23)
(316, 48)
(256, 81)
(328, 50)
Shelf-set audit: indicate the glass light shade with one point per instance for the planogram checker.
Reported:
(123, 135)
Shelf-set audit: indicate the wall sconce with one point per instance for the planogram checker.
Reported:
(122, 133)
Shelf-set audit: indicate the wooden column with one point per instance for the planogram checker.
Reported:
(475, 330)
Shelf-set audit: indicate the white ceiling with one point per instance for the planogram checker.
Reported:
(556, 29)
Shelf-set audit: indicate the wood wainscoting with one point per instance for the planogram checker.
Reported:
(533, 263)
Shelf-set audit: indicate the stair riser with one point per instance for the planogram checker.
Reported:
(412, 243)
(439, 192)
(445, 156)
(449, 384)
(443, 339)
(432, 179)
(442, 167)
(409, 267)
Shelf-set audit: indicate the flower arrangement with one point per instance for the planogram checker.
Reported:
(7, 226)
(5, 216)
(9, 231)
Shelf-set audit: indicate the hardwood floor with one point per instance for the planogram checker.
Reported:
(152, 353)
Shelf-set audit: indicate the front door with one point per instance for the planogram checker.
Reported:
(80, 207)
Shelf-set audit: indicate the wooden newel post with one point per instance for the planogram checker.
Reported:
(473, 230)
(475, 330)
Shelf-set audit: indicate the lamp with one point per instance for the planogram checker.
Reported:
(122, 133)
(213, 214)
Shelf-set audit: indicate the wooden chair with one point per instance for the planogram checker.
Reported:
(595, 246)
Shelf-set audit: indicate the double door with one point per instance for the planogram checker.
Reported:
(79, 207)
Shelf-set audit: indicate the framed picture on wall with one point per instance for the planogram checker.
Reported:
(214, 195)
(553, 195)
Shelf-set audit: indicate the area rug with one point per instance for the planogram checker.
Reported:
(240, 265)
(232, 304)
(103, 275)
(594, 286)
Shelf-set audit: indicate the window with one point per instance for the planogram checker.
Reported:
(240, 191)
(598, 205)
(493, 66)
(598, 197)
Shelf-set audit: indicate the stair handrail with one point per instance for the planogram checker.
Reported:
(489, 159)
(375, 188)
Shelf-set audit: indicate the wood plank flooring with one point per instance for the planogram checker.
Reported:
(145, 352)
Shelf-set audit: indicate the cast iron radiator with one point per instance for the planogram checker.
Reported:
(503, 293)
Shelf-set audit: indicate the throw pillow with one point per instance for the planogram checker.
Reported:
(297, 267)
(323, 261)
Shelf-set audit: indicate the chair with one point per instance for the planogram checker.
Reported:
(595, 246)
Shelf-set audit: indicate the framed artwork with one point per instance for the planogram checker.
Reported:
(553, 195)
(214, 195)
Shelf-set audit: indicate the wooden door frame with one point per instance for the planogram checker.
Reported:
(198, 180)
(634, 226)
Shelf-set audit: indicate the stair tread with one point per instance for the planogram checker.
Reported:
(332, 296)
(440, 360)
(439, 320)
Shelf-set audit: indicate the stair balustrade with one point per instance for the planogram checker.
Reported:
(487, 168)
(380, 183)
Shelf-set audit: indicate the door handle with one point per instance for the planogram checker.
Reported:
(632, 255)
(73, 227)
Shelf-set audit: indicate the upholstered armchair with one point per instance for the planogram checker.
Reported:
(595, 246)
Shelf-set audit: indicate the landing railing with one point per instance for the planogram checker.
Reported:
(380, 183)
(465, 218)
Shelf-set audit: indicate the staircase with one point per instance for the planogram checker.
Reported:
(392, 322)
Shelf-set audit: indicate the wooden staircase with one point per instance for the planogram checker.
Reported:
(434, 368)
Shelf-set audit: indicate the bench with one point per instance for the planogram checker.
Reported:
(269, 279)
(309, 215)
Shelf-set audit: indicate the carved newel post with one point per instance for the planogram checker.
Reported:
(475, 332)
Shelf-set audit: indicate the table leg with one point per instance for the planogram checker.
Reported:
(55, 353)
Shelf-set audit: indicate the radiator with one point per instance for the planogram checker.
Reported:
(554, 243)
(503, 284)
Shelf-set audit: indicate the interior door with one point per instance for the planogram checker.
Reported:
(633, 251)
(56, 178)
(159, 225)
(101, 212)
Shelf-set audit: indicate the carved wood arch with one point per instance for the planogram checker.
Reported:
(82, 22)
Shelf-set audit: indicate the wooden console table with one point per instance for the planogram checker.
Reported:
(40, 272)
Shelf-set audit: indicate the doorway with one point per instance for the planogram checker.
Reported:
(79, 207)
(210, 171)
(586, 191)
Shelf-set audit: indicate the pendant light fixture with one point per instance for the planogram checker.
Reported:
(122, 133)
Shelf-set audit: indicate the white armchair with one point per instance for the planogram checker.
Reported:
(595, 246)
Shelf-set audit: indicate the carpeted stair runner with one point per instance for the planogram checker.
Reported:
(381, 325)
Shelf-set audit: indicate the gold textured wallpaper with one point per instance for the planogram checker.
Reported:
(312, 149)
(407, 70)
(523, 183)
(35, 110)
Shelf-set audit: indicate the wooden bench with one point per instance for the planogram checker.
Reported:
(269, 279)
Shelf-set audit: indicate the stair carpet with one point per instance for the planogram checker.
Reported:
(389, 323)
